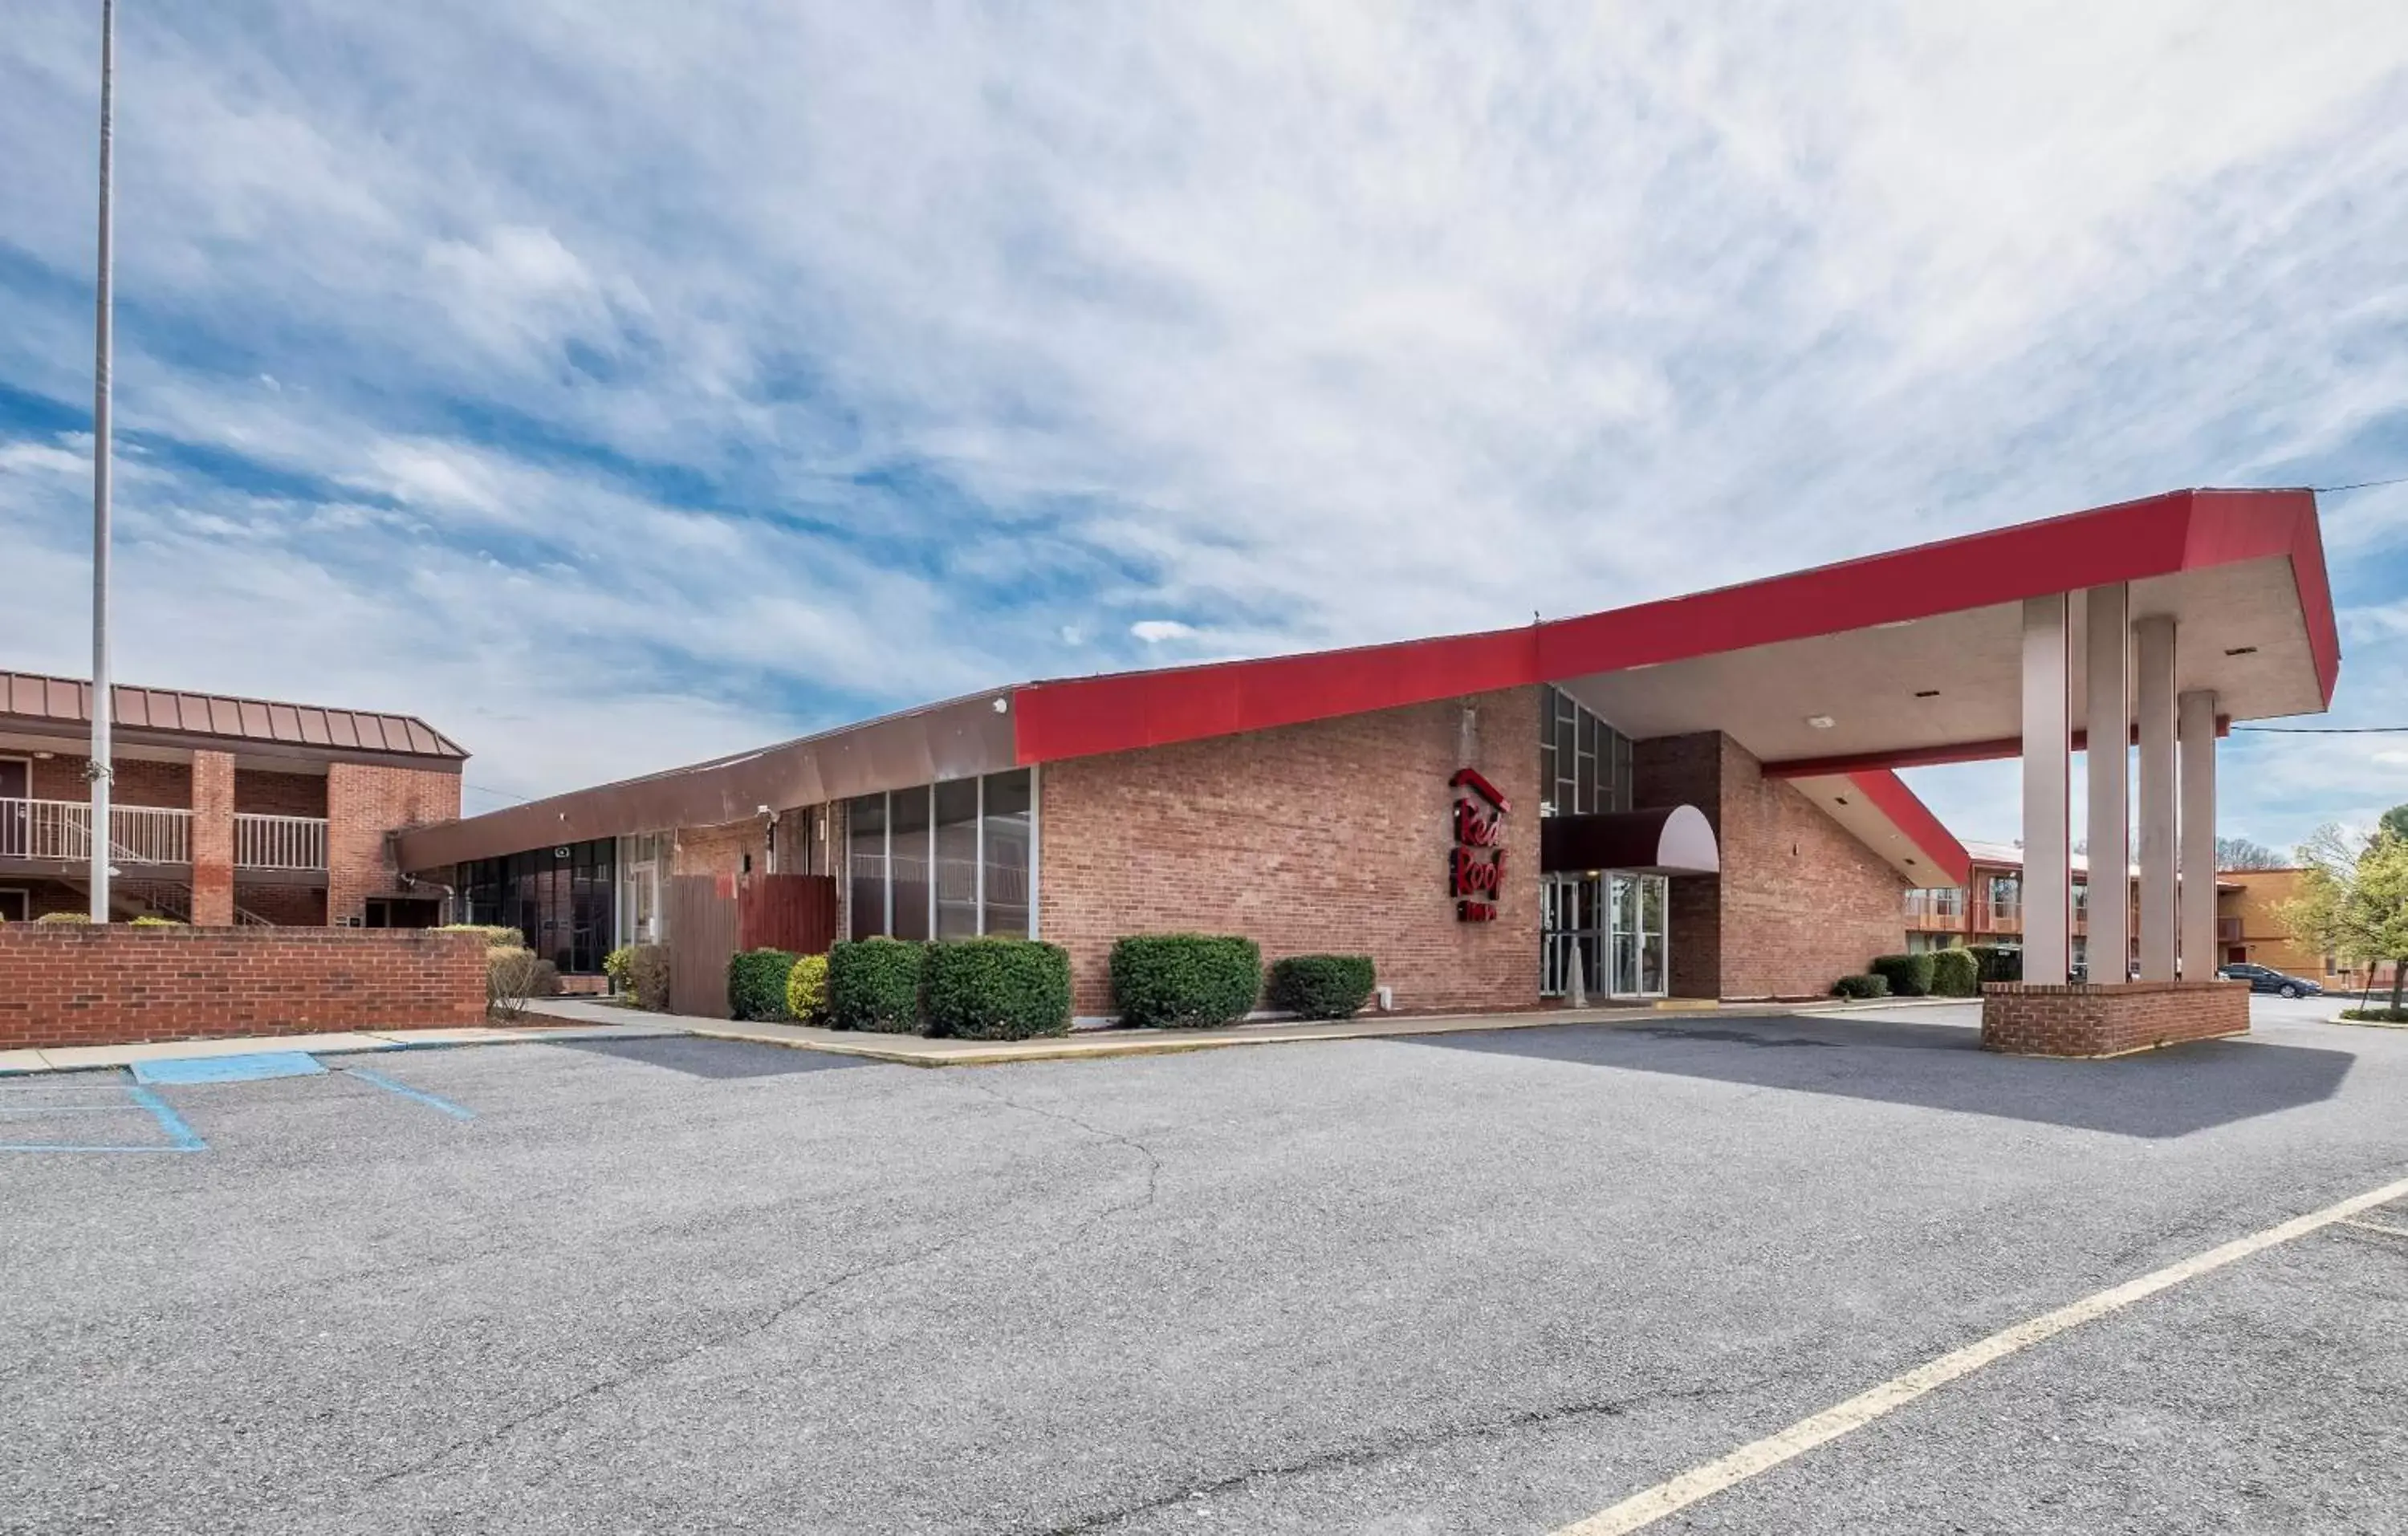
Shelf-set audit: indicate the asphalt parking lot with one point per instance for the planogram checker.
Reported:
(1491, 1281)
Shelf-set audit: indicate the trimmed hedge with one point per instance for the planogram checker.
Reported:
(756, 983)
(648, 976)
(1186, 981)
(2376, 1015)
(1867, 985)
(1908, 975)
(153, 920)
(997, 988)
(512, 976)
(1997, 963)
(1321, 986)
(807, 989)
(1955, 973)
(65, 917)
(614, 966)
(495, 937)
(874, 983)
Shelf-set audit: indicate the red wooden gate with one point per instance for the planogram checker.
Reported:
(794, 913)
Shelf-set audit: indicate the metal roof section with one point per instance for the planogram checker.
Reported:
(156, 715)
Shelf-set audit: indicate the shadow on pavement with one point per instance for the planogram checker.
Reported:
(2173, 1092)
(716, 1058)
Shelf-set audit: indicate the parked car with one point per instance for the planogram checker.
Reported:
(2261, 979)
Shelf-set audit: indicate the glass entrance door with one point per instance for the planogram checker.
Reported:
(1616, 925)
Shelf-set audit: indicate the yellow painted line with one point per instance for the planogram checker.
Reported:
(1644, 1509)
(2378, 1226)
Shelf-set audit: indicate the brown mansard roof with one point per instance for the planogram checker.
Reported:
(31, 699)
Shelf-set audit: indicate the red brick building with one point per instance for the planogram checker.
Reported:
(1690, 797)
(224, 811)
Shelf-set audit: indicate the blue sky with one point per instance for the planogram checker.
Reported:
(618, 384)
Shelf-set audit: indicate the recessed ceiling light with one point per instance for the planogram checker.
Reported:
(1926, 692)
(1894, 624)
(1839, 799)
(2243, 651)
(1821, 722)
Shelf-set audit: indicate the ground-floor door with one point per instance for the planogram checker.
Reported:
(1613, 927)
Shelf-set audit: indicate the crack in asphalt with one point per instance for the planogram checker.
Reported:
(1351, 1457)
(781, 1311)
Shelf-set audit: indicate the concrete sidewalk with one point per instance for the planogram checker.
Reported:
(920, 1051)
(81, 1058)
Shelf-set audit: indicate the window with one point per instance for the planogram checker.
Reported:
(907, 858)
(1583, 763)
(957, 859)
(1006, 841)
(563, 900)
(864, 821)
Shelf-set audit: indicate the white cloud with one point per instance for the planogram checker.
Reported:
(836, 351)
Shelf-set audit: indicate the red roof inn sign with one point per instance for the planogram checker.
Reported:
(1476, 868)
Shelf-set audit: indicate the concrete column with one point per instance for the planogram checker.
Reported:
(212, 839)
(2152, 657)
(2108, 678)
(2197, 723)
(2047, 736)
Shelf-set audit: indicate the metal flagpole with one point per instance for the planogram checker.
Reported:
(98, 770)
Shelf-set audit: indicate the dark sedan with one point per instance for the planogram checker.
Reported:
(2261, 979)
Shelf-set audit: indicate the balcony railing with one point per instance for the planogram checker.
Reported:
(280, 843)
(61, 829)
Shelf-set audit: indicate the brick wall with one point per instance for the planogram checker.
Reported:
(362, 804)
(75, 986)
(262, 794)
(287, 906)
(136, 781)
(1328, 837)
(1799, 902)
(2029, 1019)
(720, 850)
(212, 839)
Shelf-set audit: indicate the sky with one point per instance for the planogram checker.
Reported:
(616, 384)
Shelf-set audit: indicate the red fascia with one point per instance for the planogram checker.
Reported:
(1887, 793)
(2179, 531)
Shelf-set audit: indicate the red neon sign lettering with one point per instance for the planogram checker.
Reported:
(1475, 867)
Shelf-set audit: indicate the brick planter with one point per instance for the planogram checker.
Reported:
(2111, 1019)
(71, 984)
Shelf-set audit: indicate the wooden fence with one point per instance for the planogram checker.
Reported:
(712, 917)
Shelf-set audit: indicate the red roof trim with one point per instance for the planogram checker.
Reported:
(1889, 794)
(2179, 531)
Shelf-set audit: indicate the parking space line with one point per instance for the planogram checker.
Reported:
(1645, 1508)
(389, 1085)
(181, 1137)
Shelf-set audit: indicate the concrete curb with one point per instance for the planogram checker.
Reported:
(39, 1062)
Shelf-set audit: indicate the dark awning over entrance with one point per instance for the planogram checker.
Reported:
(1672, 840)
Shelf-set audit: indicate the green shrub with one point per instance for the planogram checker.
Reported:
(614, 966)
(1955, 973)
(648, 976)
(65, 917)
(756, 983)
(807, 989)
(997, 988)
(496, 937)
(153, 920)
(874, 983)
(2376, 1015)
(1997, 963)
(1867, 985)
(1909, 975)
(1186, 981)
(1321, 986)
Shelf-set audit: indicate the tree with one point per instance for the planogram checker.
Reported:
(2353, 899)
(2240, 854)
(2395, 822)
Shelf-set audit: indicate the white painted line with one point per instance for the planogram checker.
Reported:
(1644, 1509)
(2378, 1226)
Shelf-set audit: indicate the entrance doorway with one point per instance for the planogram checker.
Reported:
(1615, 924)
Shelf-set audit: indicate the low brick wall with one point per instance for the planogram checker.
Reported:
(70, 984)
(2110, 1019)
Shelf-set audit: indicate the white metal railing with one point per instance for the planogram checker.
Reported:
(280, 843)
(61, 829)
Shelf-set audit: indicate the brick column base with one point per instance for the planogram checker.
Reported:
(2111, 1019)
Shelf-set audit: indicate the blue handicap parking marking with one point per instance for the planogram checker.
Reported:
(114, 1118)
(243, 1068)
